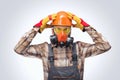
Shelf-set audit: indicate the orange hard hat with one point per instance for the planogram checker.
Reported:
(62, 19)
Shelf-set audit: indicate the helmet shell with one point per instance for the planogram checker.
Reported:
(62, 19)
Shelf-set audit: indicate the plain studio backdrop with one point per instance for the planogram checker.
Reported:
(19, 16)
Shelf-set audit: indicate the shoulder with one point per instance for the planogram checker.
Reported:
(42, 48)
(42, 45)
(82, 44)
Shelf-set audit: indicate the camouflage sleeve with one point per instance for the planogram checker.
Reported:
(24, 48)
(98, 47)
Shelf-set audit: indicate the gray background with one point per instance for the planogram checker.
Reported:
(18, 17)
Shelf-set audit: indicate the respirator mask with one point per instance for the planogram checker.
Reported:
(61, 36)
(54, 41)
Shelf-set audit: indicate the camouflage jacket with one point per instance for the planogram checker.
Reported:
(62, 56)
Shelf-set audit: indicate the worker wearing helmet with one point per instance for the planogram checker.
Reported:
(63, 59)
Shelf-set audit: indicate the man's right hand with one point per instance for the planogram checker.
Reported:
(43, 23)
(40, 25)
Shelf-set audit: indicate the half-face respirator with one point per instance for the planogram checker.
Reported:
(54, 40)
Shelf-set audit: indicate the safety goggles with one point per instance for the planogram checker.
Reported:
(59, 29)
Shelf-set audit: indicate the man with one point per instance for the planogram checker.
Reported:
(62, 59)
